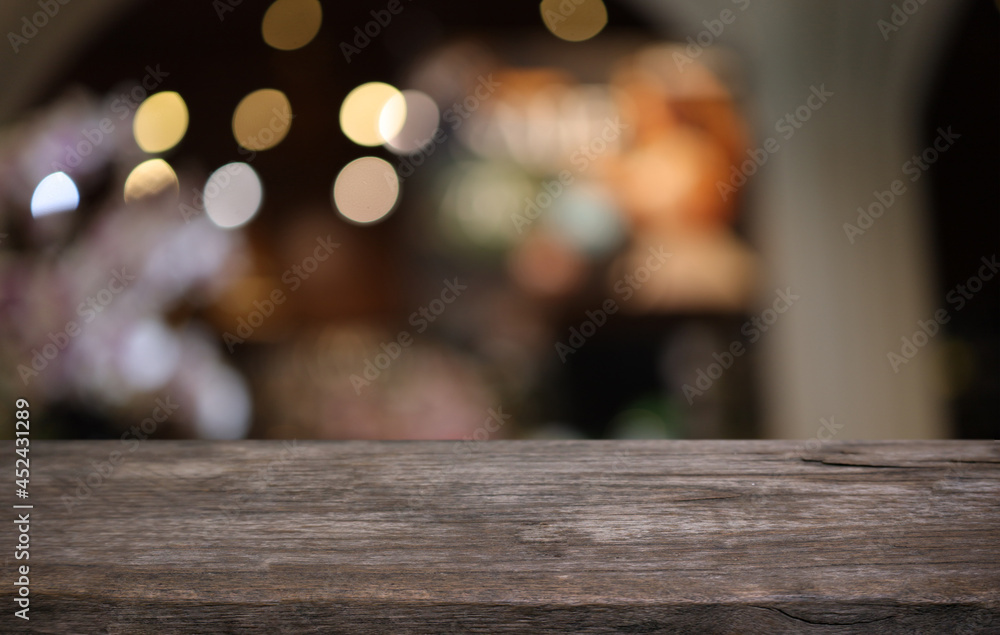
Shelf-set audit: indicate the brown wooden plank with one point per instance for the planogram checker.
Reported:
(632, 537)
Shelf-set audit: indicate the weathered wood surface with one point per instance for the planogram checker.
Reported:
(629, 537)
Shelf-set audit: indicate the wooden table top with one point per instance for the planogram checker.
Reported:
(513, 536)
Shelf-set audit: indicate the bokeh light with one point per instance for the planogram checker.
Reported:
(365, 117)
(641, 423)
(55, 193)
(545, 265)
(262, 119)
(574, 20)
(421, 119)
(366, 190)
(233, 194)
(480, 200)
(222, 406)
(291, 24)
(150, 355)
(585, 216)
(392, 118)
(160, 122)
(150, 178)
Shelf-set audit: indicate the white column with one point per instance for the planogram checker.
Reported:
(827, 356)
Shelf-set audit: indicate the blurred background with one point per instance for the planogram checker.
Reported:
(428, 219)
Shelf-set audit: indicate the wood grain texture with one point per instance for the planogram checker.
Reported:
(575, 537)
